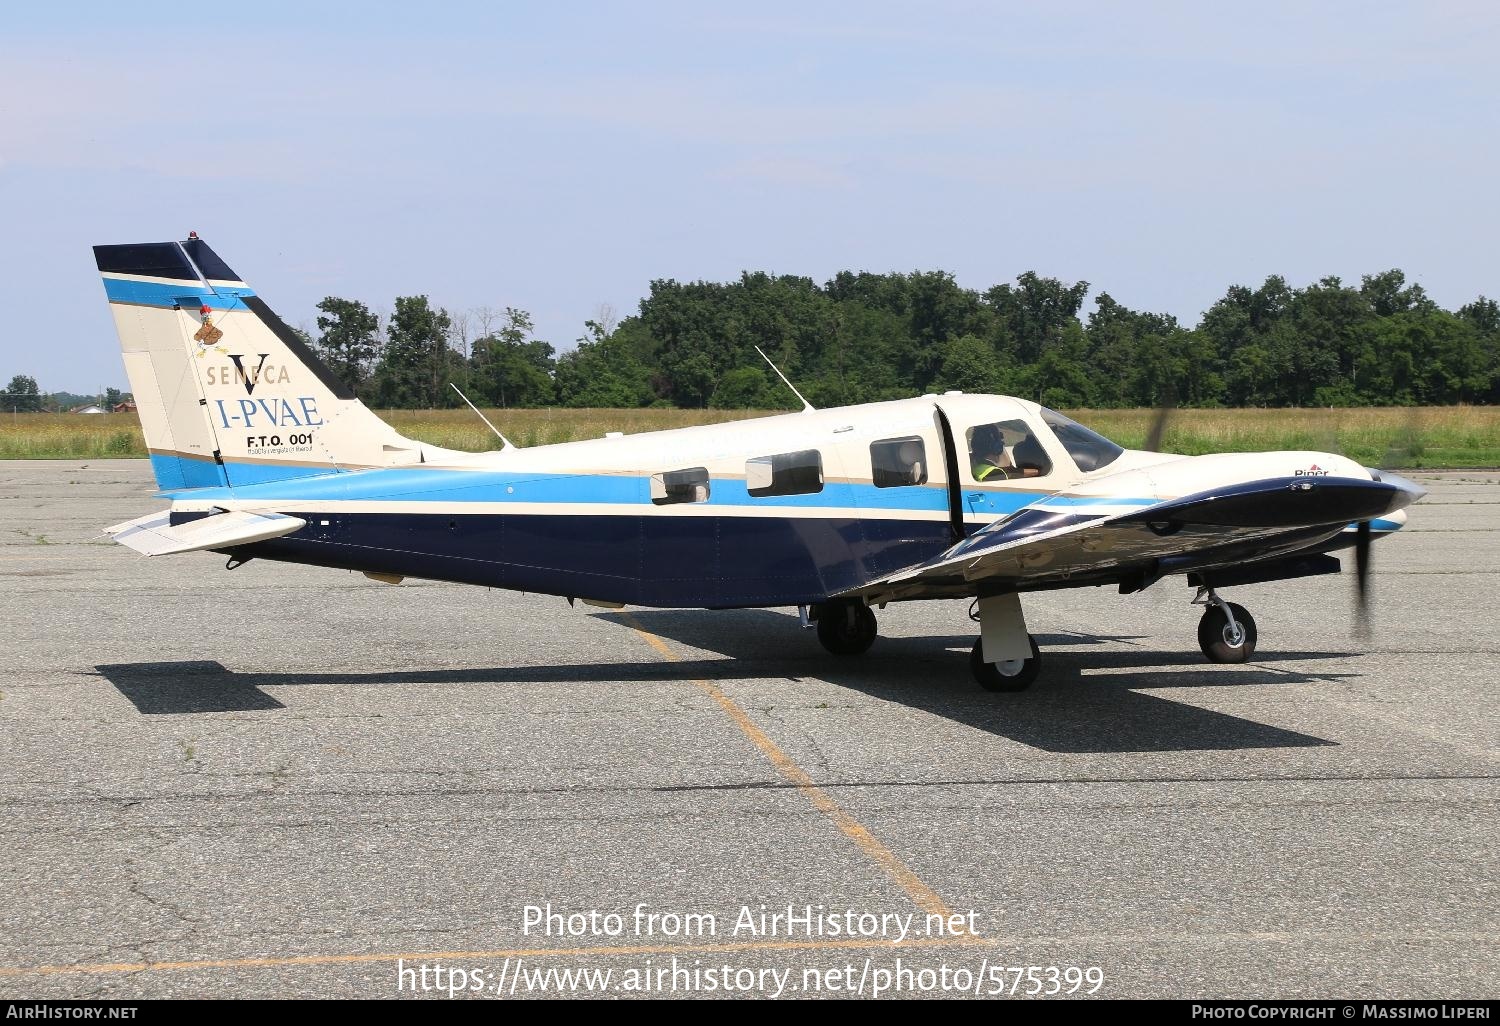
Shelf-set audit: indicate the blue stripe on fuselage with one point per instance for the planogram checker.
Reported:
(188, 477)
(250, 475)
(430, 484)
(1099, 500)
(174, 472)
(1379, 524)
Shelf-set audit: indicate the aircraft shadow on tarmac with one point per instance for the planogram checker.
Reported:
(1066, 711)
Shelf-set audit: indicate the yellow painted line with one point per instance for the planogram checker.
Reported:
(604, 951)
(925, 897)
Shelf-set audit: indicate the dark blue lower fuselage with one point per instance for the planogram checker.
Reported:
(690, 562)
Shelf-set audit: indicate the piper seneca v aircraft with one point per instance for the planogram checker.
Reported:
(265, 454)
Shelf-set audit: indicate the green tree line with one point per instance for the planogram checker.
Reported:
(23, 395)
(865, 337)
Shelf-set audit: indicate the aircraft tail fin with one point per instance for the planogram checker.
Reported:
(228, 394)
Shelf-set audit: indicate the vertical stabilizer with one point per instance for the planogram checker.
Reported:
(227, 393)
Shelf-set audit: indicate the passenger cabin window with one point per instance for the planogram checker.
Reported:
(1089, 449)
(1006, 451)
(898, 461)
(680, 486)
(789, 473)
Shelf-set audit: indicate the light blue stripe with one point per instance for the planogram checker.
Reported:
(1102, 500)
(429, 484)
(249, 475)
(1378, 524)
(168, 473)
(149, 293)
(419, 484)
(179, 477)
(179, 472)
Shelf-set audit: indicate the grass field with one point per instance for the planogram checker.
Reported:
(1434, 438)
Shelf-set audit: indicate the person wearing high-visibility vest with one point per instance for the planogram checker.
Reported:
(990, 460)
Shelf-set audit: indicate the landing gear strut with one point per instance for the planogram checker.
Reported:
(845, 627)
(1227, 631)
(1013, 657)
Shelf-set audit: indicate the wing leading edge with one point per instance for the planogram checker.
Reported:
(1055, 543)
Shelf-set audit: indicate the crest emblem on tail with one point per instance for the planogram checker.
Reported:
(208, 335)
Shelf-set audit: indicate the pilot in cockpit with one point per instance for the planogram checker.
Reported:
(994, 460)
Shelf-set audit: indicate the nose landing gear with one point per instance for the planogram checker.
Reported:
(1226, 633)
(1005, 657)
(1008, 674)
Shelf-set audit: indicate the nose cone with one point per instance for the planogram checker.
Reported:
(1410, 489)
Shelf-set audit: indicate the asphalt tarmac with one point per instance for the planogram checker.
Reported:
(286, 781)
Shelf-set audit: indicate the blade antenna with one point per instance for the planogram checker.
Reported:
(807, 407)
(505, 442)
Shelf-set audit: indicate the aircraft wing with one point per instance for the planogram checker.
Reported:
(155, 535)
(1057, 542)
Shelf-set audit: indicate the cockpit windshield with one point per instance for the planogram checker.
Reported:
(1089, 449)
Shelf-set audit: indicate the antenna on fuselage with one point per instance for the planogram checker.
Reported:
(807, 407)
(505, 442)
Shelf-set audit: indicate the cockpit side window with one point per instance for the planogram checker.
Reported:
(1006, 450)
(1089, 449)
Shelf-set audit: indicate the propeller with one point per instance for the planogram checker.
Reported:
(1362, 579)
(1159, 423)
(1401, 451)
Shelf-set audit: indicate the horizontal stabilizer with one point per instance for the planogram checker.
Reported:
(155, 535)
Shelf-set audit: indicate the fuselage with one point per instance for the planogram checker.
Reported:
(774, 511)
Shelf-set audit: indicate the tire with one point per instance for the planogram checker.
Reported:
(1215, 640)
(1013, 675)
(846, 628)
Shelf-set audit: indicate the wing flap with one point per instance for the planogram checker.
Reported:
(156, 535)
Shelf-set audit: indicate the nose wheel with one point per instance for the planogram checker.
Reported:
(1226, 633)
(1009, 675)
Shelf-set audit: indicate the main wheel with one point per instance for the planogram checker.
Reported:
(1010, 675)
(846, 628)
(1220, 642)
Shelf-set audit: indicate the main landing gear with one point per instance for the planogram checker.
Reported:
(1227, 631)
(846, 627)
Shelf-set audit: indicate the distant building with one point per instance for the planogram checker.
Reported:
(86, 409)
(128, 406)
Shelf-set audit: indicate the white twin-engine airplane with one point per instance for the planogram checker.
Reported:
(264, 454)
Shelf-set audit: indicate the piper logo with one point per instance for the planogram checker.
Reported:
(1312, 471)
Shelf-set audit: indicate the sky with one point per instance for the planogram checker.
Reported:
(558, 157)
